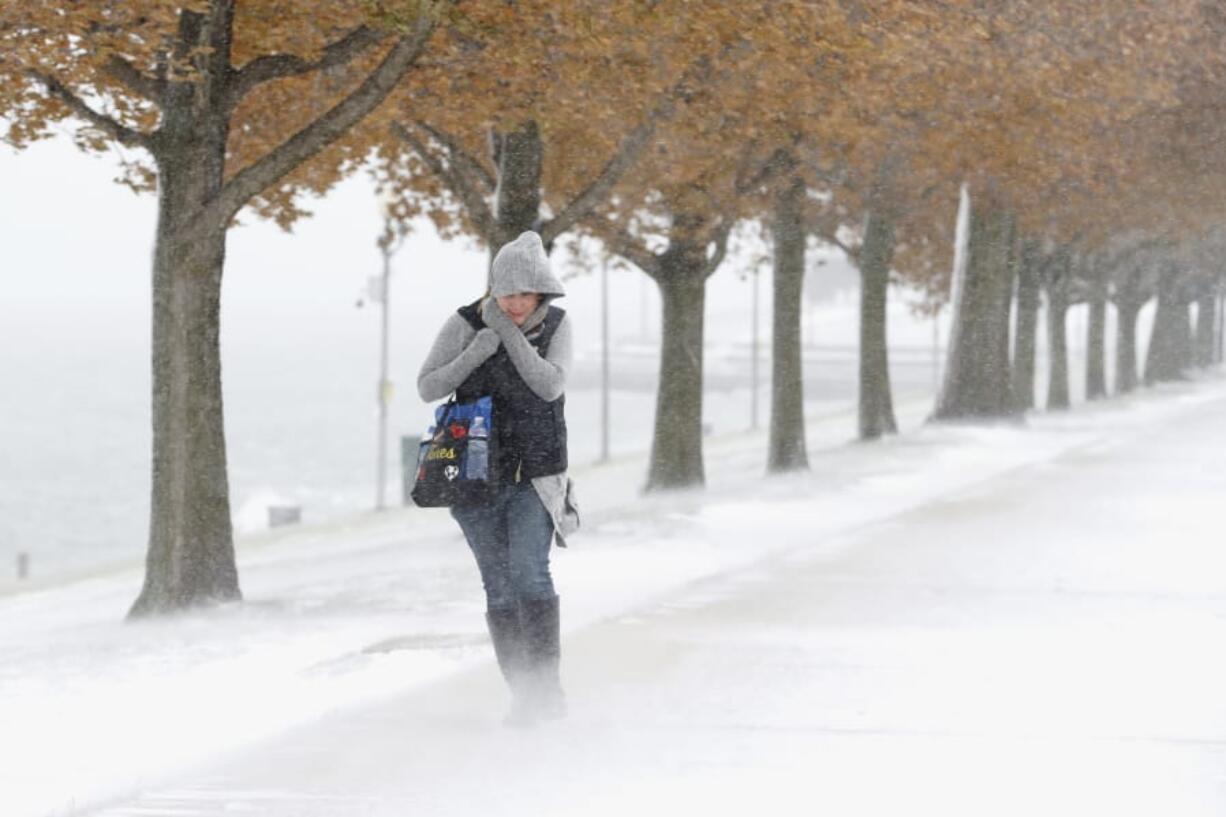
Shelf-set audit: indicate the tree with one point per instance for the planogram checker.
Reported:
(859, 134)
(535, 133)
(977, 374)
(1130, 295)
(1170, 346)
(727, 160)
(876, 404)
(1029, 287)
(1058, 282)
(1204, 285)
(697, 244)
(875, 144)
(786, 449)
(1206, 321)
(1051, 83)
(230, 105)
(1096, 282)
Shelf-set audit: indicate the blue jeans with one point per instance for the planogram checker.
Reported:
(510, 537)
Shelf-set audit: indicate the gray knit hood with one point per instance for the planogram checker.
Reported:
(523, 266)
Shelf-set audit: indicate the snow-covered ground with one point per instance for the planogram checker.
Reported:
(963, 620)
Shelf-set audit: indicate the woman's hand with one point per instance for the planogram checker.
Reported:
(495, 318)
(485, 343)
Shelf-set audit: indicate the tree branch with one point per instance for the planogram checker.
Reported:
(461, 158)
(277, 66)
(329, 127)
(618, 239)
(627, 154)
(720, 237)
(853, 253)
(478, 210)
(121, 133)
(777, 162)
(132, 79)
(596, 192)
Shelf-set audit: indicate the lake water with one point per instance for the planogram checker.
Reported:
(300, 414)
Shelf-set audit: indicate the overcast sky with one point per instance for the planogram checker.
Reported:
(77, 249)
(74, 237)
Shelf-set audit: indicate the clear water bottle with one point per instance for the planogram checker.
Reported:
(478, 464)
(423, 448)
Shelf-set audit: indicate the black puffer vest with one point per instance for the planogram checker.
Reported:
(531, 432)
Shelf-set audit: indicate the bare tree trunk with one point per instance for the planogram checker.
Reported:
(1029, 287)
(786, 445)
(1096, 339)
(1057, 334)
(1185, 333)
(519, 157)
(1206, 324)
(1004, 306)
(1167, 357)
(676, 447)
(1126, 347)
(1128, 303)
(190, 558)
(876, 257)
(977, 373)
(1126, 379)
(1220, 347)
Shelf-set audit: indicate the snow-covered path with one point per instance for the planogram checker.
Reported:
(1045, 642)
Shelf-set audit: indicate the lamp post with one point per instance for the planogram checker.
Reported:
(379, 291)
(604, 360)
(754, 277)
(757, 286)
(936, 351)
(1221, 324)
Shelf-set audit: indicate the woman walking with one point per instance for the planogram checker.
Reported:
(515, 346)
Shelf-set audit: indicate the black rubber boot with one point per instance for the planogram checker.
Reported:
(506, 631)
(540, 620)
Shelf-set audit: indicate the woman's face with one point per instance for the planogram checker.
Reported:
(520, 305)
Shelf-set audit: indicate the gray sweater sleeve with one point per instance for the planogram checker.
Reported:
(456, 353)
(546, 376)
